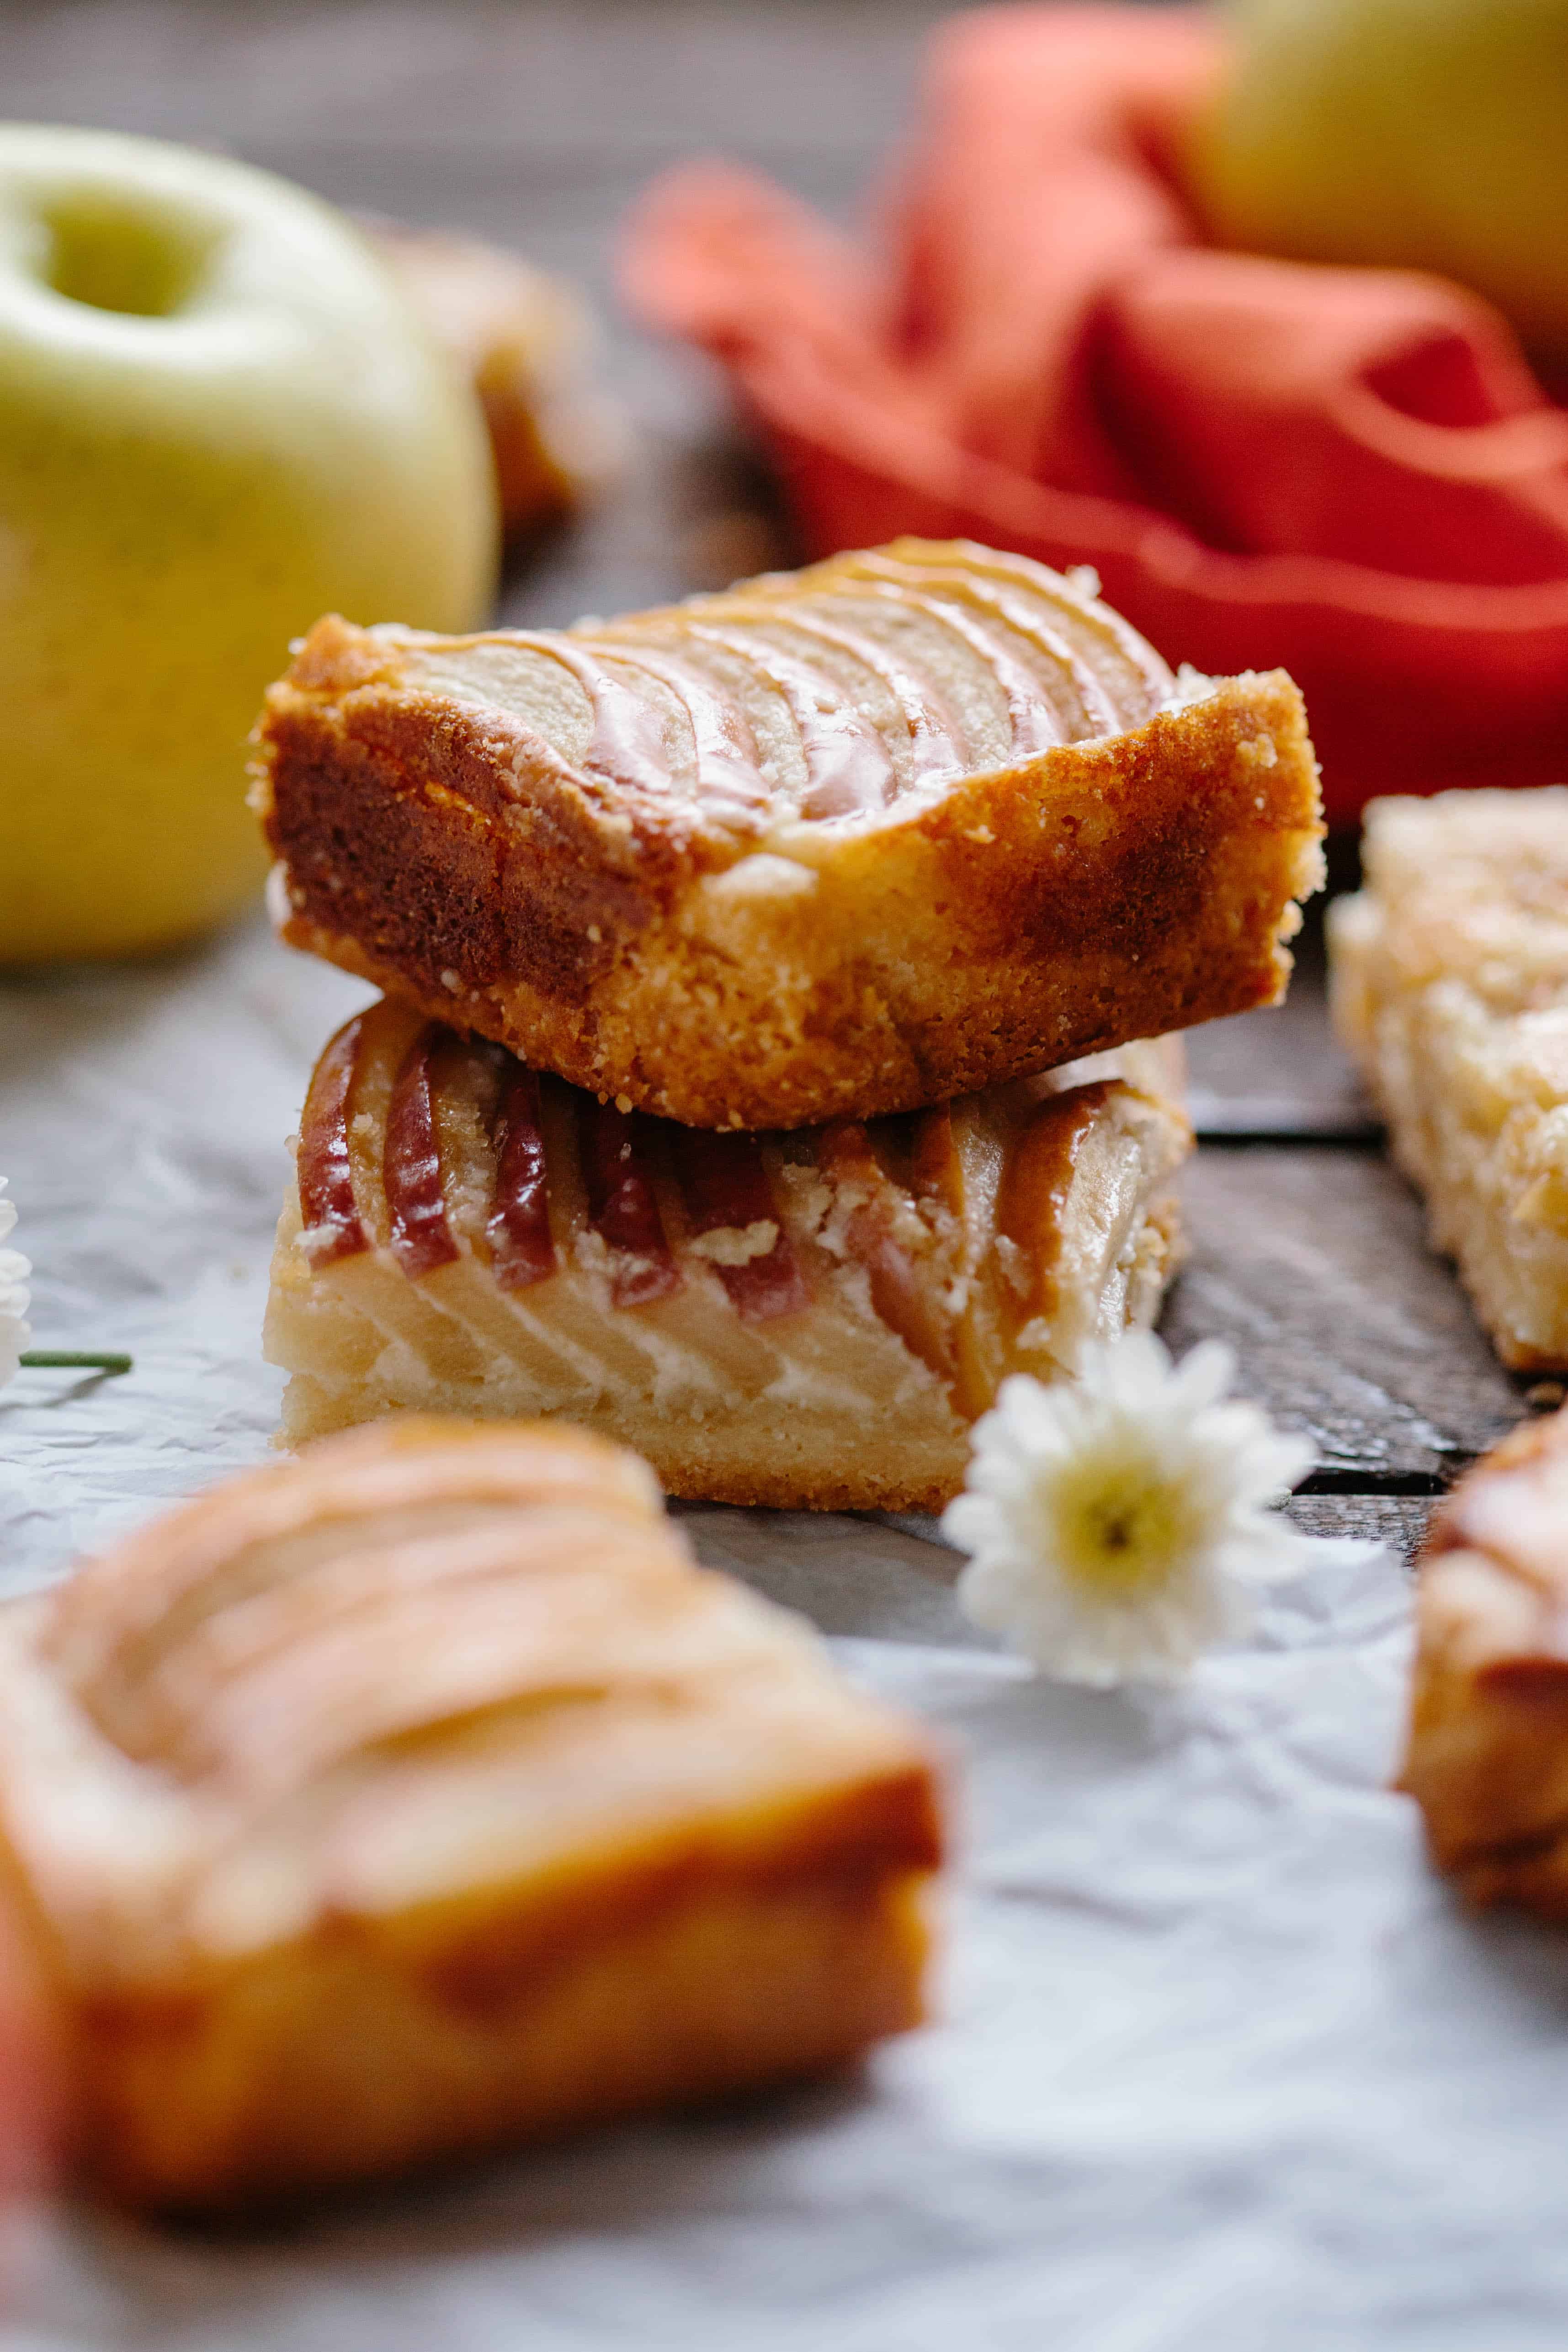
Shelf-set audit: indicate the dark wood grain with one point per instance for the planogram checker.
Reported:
(537, 125)
(1398, 1520)
(1313, 1262)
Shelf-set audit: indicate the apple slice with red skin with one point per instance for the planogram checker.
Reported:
(328, 1208)
(725, 1186)
(623, 1207)
(522, 1248)
(410, 1167)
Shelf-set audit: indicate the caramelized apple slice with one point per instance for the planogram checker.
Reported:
(730, 1207)
(331, 1216)
(1038, 1177)
(936, 1169)
(900, 1296)
(522, 1251)
(421, 1236)
(622, 1206)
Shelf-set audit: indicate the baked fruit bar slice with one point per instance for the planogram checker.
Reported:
(522, 338)
(836, 843)
(419, 1795)
(809, 1318)
(1448, 975)
(1487, 1759)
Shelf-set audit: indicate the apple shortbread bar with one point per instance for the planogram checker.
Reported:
(810, 1318)
(1449, 985)
(836, 843)
(419, 1795)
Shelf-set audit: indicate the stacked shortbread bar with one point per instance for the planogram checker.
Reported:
(839, 903)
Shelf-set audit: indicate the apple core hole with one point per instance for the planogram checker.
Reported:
(113, 257)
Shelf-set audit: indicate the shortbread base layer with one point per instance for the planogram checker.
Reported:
(359, 2055)
(808, 1470)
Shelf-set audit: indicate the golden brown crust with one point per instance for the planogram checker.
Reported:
(419, 1796)
(692, 1467)
(1003, 920)
(1487, 1754)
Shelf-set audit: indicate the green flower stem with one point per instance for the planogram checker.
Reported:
(67, 1359)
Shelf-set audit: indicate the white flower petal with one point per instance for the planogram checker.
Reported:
(14, 1296)
(1205, 1374)
(1116, 1523)
(971, 1521)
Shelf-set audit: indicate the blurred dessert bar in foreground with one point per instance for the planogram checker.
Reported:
(419, 1795)
(1449, 985)
(805, 1319)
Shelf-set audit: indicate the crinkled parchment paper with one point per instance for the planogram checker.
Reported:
(1218, 2064)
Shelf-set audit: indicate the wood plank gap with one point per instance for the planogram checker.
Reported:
(1427, 1484)
(1366, 1138)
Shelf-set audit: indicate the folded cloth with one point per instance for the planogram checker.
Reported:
(1349, 472)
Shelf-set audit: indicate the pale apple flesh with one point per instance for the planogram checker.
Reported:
(218, 419)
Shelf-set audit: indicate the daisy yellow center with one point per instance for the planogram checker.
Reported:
(1122, 1527)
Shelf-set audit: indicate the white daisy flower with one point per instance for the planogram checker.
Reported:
(15, 1332)
(1118, 1523)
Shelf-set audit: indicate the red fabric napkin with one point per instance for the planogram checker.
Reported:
(1349, 472)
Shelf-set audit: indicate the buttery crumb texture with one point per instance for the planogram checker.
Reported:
(1487, 1754)
(807, 1319)
(1449, 976)
(419, 1795)
(846, 841)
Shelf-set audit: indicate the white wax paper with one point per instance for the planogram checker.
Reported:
(1218, 2064)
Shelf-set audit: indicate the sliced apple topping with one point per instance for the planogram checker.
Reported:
(1031, 1211)
(522, 1251)
(901, 1293)
(623, 1206)
(735, 1225)
(328, 1209)
(420, 1237)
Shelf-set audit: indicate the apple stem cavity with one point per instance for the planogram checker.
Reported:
(113, 254)
(68, 1360)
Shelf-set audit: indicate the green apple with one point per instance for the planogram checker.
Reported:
(1424, 134)
(218, 419)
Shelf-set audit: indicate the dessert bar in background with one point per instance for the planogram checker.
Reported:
(1449, 976)
(836, 843)
(419, 1795)
(805, 1319)
(522, 338)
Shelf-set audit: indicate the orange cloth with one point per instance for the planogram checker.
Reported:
(1350, 472)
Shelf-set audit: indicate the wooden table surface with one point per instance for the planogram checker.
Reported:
(536, 125)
